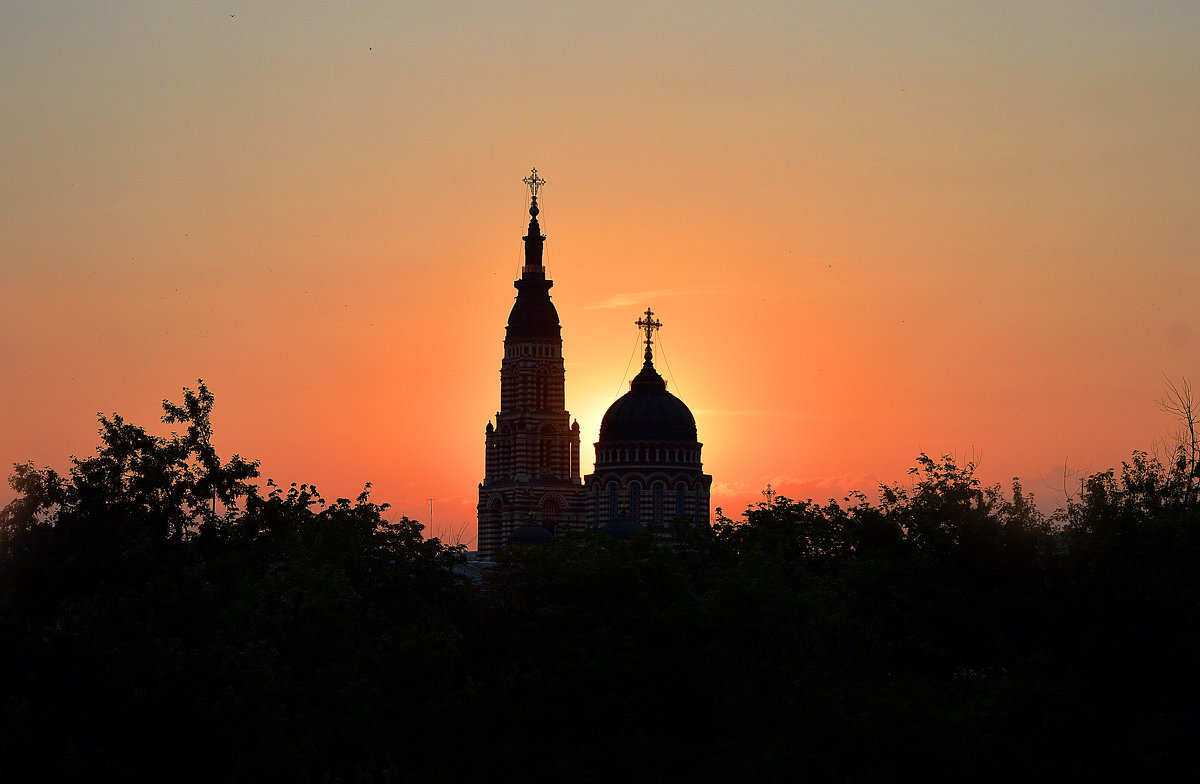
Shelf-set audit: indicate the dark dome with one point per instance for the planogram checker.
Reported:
(533, 315)
(623, 527)
(531, 532)
(648, 412)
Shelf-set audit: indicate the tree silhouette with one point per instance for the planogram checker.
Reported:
(162, 616)
(137, 482)
(1180, 403)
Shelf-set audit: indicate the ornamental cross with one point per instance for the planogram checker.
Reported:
(770, 494)
(649, 324)
(534, 182)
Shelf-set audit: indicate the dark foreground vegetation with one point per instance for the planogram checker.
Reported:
(163, 619)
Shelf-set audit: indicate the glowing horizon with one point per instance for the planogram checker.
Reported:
(869, 232)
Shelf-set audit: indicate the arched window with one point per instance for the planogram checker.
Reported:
(635, 501)
(551, 512)
(699, 511)
(680, 497)
(614, 501)
(659, 492)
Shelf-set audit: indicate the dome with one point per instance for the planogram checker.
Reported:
(533, 315)
(648, 412)
(531, 532)
(623, 527)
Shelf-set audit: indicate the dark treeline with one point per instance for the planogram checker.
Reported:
(161, 617)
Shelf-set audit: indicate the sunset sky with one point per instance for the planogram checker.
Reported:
(870, 230)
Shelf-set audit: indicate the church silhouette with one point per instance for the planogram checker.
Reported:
(647, 468)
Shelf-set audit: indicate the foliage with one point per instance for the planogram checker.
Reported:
(140, 484)
(163, 616)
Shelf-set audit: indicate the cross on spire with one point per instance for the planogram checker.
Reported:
(770, 494)
(534, 182)
(649, 324)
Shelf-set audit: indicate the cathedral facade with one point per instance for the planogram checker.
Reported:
(647, 470)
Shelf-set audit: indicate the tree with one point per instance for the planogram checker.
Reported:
(137, 483)
(1179, 402)
(158, 610)
(208, 481)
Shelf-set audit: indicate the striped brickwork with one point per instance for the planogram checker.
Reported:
(531, 463)
(658, 482)
(532, 451)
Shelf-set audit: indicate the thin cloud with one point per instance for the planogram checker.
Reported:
(797, 488)
(728, 488)
(839, 482)
(639, 298)
(745, 412)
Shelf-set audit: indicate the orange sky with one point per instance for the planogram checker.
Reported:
(965, 228)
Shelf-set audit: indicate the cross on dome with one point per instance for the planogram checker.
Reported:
(534, 182)
(649, 324)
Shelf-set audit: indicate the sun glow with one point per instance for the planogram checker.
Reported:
(866, 238)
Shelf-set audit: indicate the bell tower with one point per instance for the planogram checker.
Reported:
(531, 465)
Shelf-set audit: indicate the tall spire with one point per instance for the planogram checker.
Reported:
(534, 238)
(533, 315)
